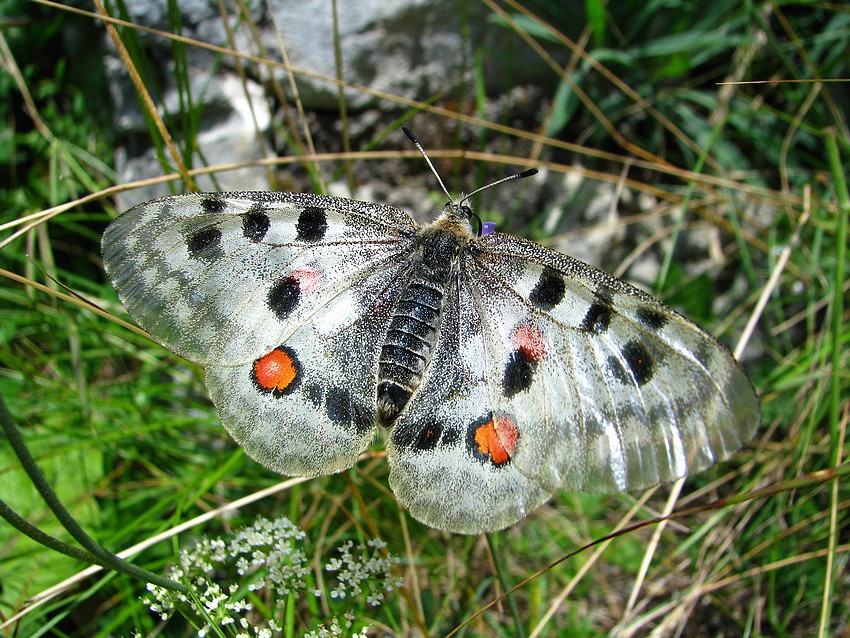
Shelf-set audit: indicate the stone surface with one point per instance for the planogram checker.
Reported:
(408, 49)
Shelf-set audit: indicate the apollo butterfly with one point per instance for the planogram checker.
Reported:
(501, 370)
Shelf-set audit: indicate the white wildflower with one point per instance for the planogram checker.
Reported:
(268, 557)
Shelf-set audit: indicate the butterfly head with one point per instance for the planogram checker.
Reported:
(459, 218)
(457, 215)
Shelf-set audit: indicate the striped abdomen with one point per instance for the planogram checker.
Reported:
(408, 346)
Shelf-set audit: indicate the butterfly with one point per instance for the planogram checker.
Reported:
(502, 371)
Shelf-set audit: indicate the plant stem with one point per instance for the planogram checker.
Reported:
(39, 536)
(99, 554)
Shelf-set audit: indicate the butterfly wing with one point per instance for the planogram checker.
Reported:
(433, 449)
(282, 297)
(222, 277)
(577, 380)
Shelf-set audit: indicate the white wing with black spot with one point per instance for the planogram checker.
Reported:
(283, 297)
(550, 375)
(307, 407)
(223, 277)
(437, 467)
(612, 389)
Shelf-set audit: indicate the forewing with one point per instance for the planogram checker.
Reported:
(550, 374)
(221, 278)
(611, 389)
(283, 297)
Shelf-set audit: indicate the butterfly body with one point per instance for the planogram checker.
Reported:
(501, 370)
(415, 325)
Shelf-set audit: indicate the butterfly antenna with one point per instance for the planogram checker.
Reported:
(524, 174)
(418, 146)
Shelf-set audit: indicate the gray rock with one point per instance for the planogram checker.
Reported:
(236, 114)
(407, 48)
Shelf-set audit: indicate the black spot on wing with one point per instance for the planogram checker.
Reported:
(616, 369)
(518, 373)
(204, 244)
(255, 225)
(650, 318)
(639, 360)
(344, 410)
(314, 393)
(598, 317)
(428, 436)
(549, 290)
(213, 205)
(284, 296)
(450, 436)
(424, 437)
(312, 224)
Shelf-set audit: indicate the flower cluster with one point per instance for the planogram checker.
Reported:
(357, 567)
(335, 629)
(267, 556)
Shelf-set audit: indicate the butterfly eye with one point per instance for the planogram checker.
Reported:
(467, 212)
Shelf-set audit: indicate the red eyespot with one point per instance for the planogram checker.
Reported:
(529, 340)
(309, 279)
(497, 439)
(277, 372)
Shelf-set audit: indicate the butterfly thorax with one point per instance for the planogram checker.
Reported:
(455, 218)
(415, 325)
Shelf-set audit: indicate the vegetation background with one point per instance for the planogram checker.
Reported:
(732, 115)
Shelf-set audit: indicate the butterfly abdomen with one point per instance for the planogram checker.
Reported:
(407, 347)
(415, 323)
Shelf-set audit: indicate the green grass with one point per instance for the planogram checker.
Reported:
(126, 435)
